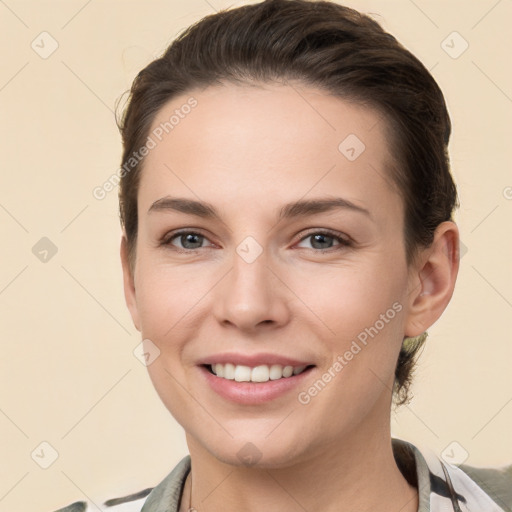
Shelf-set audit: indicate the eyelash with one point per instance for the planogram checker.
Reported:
(343, 241)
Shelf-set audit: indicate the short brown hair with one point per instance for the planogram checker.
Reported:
(328, 46)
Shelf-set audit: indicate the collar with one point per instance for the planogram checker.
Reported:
(441, 487)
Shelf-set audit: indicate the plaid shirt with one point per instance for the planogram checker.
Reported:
(441, 487)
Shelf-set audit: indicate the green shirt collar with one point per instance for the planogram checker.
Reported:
(165, 497)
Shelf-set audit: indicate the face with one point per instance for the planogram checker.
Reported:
(270, 237)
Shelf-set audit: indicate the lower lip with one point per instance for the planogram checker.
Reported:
(253, 393)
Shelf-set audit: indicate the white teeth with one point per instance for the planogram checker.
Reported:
(242, 373)
(219, 370)
(287, 371)
(276, 372)
(229, 370)
(262, 373)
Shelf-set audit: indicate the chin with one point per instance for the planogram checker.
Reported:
(257, 451)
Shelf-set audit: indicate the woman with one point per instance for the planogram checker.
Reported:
(286, 205)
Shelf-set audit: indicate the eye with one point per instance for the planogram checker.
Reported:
(185, 241)
(322, 240)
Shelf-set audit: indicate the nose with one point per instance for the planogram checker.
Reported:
(251, 296)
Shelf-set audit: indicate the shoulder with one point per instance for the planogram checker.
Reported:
(445, 486)
(165, 495)
(131, 503)
(496, 482)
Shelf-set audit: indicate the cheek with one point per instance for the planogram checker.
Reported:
(365, 313)
(349, 298)
(169, 383)
(361, 313)
(168, 300)
(167, 297)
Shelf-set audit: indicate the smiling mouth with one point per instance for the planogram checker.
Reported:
(260, 373)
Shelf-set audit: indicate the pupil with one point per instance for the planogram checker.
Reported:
(322, 240)
(191, 239)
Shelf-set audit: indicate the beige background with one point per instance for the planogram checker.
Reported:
(68, 373)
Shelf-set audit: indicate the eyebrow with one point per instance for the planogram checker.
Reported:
(301, 208)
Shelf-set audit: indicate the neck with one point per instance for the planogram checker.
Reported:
(358, 474)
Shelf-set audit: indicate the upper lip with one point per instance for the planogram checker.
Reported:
(253, 359)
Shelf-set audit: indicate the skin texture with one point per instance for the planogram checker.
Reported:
(249, 150)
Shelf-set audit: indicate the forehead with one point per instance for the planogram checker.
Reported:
(271, 142)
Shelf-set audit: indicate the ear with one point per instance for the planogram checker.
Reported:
(432, 279)
(129, 283)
